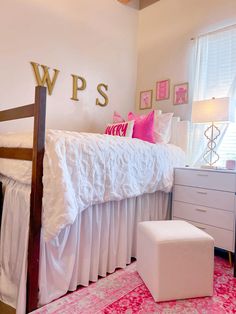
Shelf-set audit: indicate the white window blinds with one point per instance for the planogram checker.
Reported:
(216, 77)
(216, 58)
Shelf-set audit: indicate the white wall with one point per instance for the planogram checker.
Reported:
(165, 30)
(91, 38)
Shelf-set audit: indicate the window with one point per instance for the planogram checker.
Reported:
(227, 148)
(215, 76)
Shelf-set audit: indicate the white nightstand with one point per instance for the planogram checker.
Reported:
(206, 198)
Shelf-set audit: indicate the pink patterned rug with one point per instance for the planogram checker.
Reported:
(124, 292)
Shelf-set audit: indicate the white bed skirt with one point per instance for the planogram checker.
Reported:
(102, 238)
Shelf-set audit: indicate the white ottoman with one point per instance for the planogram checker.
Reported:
(175, 259)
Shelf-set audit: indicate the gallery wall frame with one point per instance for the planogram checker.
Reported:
(181, 94)
(145, 101)
(163, 90)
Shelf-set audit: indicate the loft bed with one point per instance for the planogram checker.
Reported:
(37, 110)
(36, 155)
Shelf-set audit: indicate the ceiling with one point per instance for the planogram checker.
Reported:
(142, 3)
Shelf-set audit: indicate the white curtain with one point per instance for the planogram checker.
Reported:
(214, 75)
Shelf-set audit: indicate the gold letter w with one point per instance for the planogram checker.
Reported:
(46, 76)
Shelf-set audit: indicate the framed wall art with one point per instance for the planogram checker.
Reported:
(181, 94)
(163, 90)
(145, 99)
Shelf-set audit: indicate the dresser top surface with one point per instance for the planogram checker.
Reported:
(223, 170)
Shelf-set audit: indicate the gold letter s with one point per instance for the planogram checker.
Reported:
(46, 76)
(101, 92)
(75, 86)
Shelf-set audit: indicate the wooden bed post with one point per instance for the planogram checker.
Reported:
(36, 199)
(1, 204)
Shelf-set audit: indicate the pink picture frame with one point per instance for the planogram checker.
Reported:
(145, 99)
(163, 90)
(181, 94)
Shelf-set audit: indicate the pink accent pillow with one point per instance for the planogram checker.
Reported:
(143, 126)
(117, 118)
(162, 127)
(120, 129)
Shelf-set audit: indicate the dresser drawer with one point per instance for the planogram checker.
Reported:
(206, 215)
(224, 239)
(204, 197)
(210, 179)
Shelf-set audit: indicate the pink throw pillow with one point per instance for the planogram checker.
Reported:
(117, 118)
(162, 127)
(120, 129)
(143, 126)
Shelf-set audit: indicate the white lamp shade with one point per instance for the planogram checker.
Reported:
(212, 110)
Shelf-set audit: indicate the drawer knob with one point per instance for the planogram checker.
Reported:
(201, 210)
(203, 193)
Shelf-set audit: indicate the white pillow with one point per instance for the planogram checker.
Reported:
(120, 129)
(162, 127)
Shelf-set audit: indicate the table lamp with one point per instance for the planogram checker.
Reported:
(211, 111)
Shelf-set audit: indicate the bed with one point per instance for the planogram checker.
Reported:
(65, 247)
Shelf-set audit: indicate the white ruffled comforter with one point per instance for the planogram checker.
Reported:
(81, 169)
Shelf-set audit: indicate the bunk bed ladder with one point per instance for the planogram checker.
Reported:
(36, 199)
(38, 111)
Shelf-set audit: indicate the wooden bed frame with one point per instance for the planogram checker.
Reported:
(37, 110)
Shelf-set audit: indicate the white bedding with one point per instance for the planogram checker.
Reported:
(81, 169)
(102, 238)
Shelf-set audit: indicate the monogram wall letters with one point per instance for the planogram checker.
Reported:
(103, 95)
(75, 86)
(46, 76)
(79, 83)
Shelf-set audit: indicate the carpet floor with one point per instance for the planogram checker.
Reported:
(125, 292)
